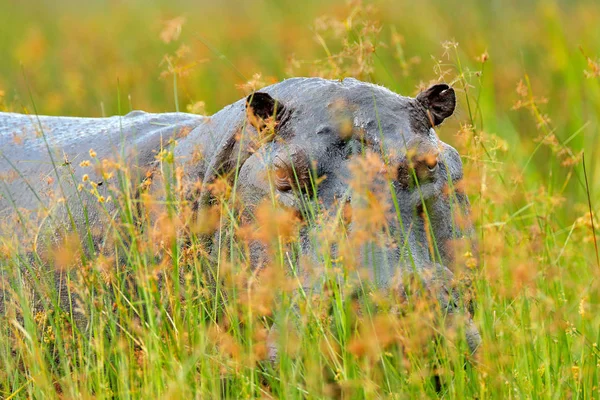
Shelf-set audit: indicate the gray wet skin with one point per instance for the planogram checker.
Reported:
(312, 129)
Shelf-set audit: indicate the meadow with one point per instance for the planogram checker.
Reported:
(527, 77)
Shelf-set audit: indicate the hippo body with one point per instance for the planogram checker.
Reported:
(318, 125)
(68, 141)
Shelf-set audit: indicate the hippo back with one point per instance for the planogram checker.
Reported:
(40, 156)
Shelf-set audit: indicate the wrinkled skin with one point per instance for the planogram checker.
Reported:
(318, 126)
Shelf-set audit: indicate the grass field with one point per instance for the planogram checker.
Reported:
(527, 76)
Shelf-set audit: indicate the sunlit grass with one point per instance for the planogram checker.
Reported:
(194, 324)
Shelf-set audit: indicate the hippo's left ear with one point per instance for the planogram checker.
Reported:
(261, 106)
(439, 101)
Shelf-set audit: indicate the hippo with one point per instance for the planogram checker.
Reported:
(293, 143)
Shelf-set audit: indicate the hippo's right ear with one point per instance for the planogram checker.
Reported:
(261, 106)
(439, 101)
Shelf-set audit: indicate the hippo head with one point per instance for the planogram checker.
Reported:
(330, 146)
(363, 154)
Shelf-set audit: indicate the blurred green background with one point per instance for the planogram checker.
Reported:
(99, 58)
(527, 74)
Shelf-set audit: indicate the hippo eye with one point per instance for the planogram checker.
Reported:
(283, 177)
(432, 167)
(431, 162)
(421, 169)
(294, 174)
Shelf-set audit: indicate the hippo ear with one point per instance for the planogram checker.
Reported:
(261, 106)
(439, 100)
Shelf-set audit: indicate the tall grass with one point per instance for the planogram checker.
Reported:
(189, 324)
